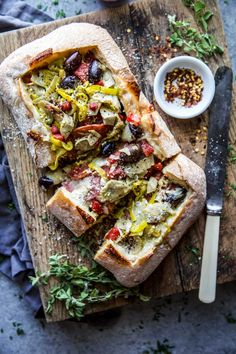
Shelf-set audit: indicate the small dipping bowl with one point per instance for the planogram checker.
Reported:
(175, 109)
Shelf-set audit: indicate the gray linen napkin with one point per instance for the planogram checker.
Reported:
(15, 261)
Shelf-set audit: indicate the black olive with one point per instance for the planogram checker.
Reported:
(175, 196)
(108, 148)
(95, 71)
(69, 82)
(45, 181)
(134, 156)
(136, 131)
(72, 62)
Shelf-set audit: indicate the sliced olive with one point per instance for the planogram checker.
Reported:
(108, 148)
(95, 71)
(45, 181)
(134, 154)
(136, 130)
(69, 82)
(72, 62)
(175, 196)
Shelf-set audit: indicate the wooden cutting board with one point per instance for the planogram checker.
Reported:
(135, 28)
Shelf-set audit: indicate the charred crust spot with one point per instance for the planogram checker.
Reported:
(33, 135)
(111, 251)
(40, 57)
(153, 122)
(87, 218)
(135, 88)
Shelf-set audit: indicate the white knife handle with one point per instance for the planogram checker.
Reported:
(207, 289)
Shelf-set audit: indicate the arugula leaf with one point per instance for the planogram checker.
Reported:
(204, 45)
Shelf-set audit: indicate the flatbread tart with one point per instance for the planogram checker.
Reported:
(103, 147)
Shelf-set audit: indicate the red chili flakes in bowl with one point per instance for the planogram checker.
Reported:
(185, 85)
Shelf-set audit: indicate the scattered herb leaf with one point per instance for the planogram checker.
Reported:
(39, 6)
(229, 318)
(11, 206)
(55, 2)
(20, 331)
(1, 330)
(162, 348)
(231, 154)
(77, 286)
(60, 14)
(189, 39)
(201, 13)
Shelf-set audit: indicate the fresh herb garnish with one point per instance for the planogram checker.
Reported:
(229, 318)
(1, 330)
(55, 2)
(60, 14)
(201, 13)
(189, 39)
(231, 154)
(162, 348)
(11, 206)
(78, 286)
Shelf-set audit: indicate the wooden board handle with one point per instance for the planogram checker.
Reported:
(207, 289)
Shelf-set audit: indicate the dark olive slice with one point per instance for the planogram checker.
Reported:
(45, 181)
(136, 130)
(72, 62)
(108, 148)
(69, 82)
(95, 71)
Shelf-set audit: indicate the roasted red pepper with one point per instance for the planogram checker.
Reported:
(58, 137)
(96, 206)
(54, 130)
(93, 106)
(113, 234)
(147, 148)
(65, 106)
(134, 118)
(158, 166)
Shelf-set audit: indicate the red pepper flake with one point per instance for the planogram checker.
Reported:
(183, 84)
(147, 148)
(113, 234)
(134, 118)
(96, 206)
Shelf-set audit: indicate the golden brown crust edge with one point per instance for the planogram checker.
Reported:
(131, 275)
(73, 36)
(62, 207)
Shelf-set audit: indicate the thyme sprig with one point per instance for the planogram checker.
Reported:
(189, 39)
(77, 286)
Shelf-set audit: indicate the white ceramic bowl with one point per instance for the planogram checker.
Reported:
(174, 109)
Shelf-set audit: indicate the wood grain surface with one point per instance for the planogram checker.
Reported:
(135, 28)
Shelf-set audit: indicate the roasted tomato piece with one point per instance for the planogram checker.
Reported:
(93, 106)
(97, 207)
(100, 83)
(147, 148)
(158, 166)
(82, 72)
(113, 234)
(134, 118)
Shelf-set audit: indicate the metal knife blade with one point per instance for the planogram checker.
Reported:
(217, 147)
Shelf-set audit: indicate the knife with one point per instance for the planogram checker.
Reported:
(215, 170)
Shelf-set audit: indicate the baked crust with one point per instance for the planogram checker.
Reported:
(180, 170)
(62, 41)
